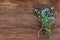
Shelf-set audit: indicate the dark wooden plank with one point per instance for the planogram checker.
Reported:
(18, 22)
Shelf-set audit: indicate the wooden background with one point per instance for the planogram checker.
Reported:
(18, 22)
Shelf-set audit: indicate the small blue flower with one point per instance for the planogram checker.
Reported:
(46, 9)
(42, 11)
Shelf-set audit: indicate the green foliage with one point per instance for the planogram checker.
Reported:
(47, 20)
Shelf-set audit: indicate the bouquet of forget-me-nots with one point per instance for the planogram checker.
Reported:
(47, 18)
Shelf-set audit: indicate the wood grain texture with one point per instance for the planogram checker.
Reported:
(18, 22)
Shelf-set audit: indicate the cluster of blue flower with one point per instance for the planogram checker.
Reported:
(47, 18)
